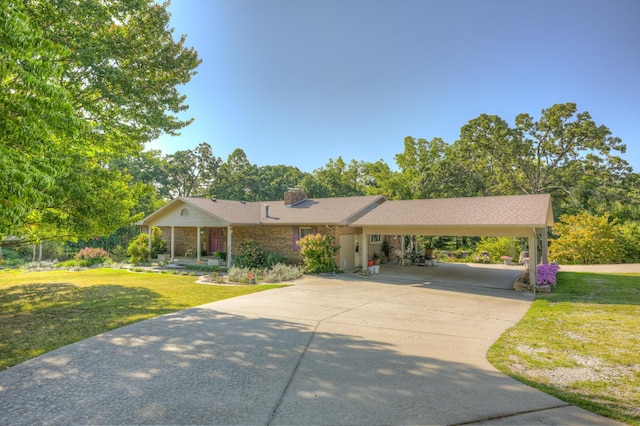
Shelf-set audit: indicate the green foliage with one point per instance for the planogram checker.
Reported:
(220, 255)
(158, 244)
(251, 255)
(586, 239)
(190, 173)
(273, 258)
(240, 274)
(139, 249)
(630, 240)
(496, 247)
(281, 273)
(318, 253)
(83, 85)
(336, 179)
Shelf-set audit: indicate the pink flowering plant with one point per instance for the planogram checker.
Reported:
(547, 274)
(90, 256)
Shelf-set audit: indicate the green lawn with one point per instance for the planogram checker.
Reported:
(42, 311)
(581, 343)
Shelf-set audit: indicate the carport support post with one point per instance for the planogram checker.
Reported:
(544, 246)
(533, 257)
(198, 245)
(173, 239)
(365, 250)
(229, 233)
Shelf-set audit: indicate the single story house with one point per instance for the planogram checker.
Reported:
(201, 226)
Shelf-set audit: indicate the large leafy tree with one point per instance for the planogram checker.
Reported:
(419, 166)
(564, 153)
(335, 179)
(237, 179)
(274, 181)
(83, 84)
(190, 172)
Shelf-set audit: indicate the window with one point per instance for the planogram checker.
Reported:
(184, 212)
(375, 239)
(305, 230)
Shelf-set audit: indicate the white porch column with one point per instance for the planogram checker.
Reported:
(149, 237)
(173, 239)
(545, 246)
(198, 244)
(229, 239)
(365, 250)
(533, 257)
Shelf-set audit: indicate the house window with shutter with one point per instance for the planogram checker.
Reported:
(305, 230)
(375, 239)
(301, 232)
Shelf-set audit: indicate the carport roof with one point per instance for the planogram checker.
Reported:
(463, 214)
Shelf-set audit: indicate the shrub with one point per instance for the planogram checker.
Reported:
(586, 239)
(239, 274)
(92, 256)
(496, 247)
(139, 249)
(630, 239)
(547, 274)
(250, 255)
(158, 244)
(281, 272)
(318, 253)
(273, 258)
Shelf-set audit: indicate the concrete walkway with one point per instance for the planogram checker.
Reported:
(338, 350)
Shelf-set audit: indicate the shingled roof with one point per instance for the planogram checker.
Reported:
(329, 211)
(513, 215)
(515, 211)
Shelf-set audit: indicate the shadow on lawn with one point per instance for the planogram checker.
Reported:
(36, 318)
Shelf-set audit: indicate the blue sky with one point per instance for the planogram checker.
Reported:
(298, 82)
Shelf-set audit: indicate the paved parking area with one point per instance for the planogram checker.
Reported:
(395, 348)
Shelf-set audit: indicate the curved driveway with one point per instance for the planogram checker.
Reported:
(404, 347)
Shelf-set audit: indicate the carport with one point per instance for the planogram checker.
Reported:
(525, 216)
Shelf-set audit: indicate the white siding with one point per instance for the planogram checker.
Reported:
(197, 217)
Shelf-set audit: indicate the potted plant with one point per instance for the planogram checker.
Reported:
(506, 259)
(219, 259)
(386, 249)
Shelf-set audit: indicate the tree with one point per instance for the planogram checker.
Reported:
(36, 114)
(237, 179)
(586, 239)
(274, 181)
(83, 84)
(335, 179)
(564, 153)
(419, 166)
(190, 173)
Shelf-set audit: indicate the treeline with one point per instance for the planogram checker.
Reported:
(564, 153)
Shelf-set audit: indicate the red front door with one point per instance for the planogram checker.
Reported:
(217, 241)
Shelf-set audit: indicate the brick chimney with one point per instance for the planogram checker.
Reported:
(293, 196)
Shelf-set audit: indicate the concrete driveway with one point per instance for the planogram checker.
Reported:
(402, 347)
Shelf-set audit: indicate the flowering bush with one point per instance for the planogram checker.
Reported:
(318, 253)
(547, 274)
(89, 256)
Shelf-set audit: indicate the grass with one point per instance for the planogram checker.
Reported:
(581, 343)
(42, 311)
